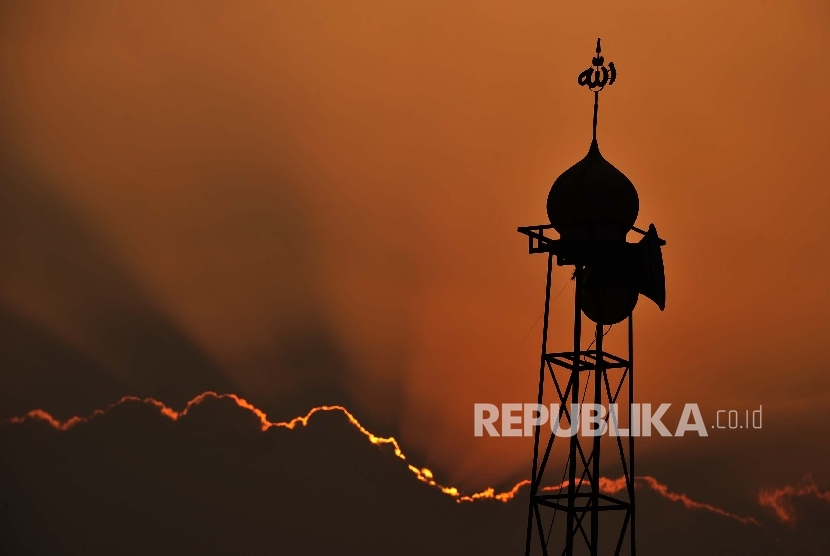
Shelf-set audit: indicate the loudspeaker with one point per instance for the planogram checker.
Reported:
(612, 285)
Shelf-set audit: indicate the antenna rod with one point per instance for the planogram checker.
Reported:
(596, 109)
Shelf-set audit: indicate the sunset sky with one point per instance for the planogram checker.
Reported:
(309, 203)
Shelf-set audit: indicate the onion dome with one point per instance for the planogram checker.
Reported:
(592, 200)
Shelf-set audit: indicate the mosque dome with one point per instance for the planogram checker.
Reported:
(592, 200)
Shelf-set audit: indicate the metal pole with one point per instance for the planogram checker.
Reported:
(631, 433)
(569, 539)
(534, 470)
(596, 109)
(595, 473)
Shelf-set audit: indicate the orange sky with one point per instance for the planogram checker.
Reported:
(352, 174)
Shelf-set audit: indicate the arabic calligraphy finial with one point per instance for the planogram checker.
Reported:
(598, 76)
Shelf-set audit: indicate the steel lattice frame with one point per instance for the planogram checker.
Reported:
(595, 364)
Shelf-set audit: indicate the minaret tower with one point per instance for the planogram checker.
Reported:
(592, 207)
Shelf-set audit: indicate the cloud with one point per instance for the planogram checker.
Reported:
(424, 474)
(139, 478)
(613, 486)
(780, 499)
(664, 491)
(218, 476)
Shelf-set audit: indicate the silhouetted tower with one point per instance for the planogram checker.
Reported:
(592, 206)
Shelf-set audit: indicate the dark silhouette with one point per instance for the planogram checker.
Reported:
(593, 206)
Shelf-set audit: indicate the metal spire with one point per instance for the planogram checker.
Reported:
(596, 78)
